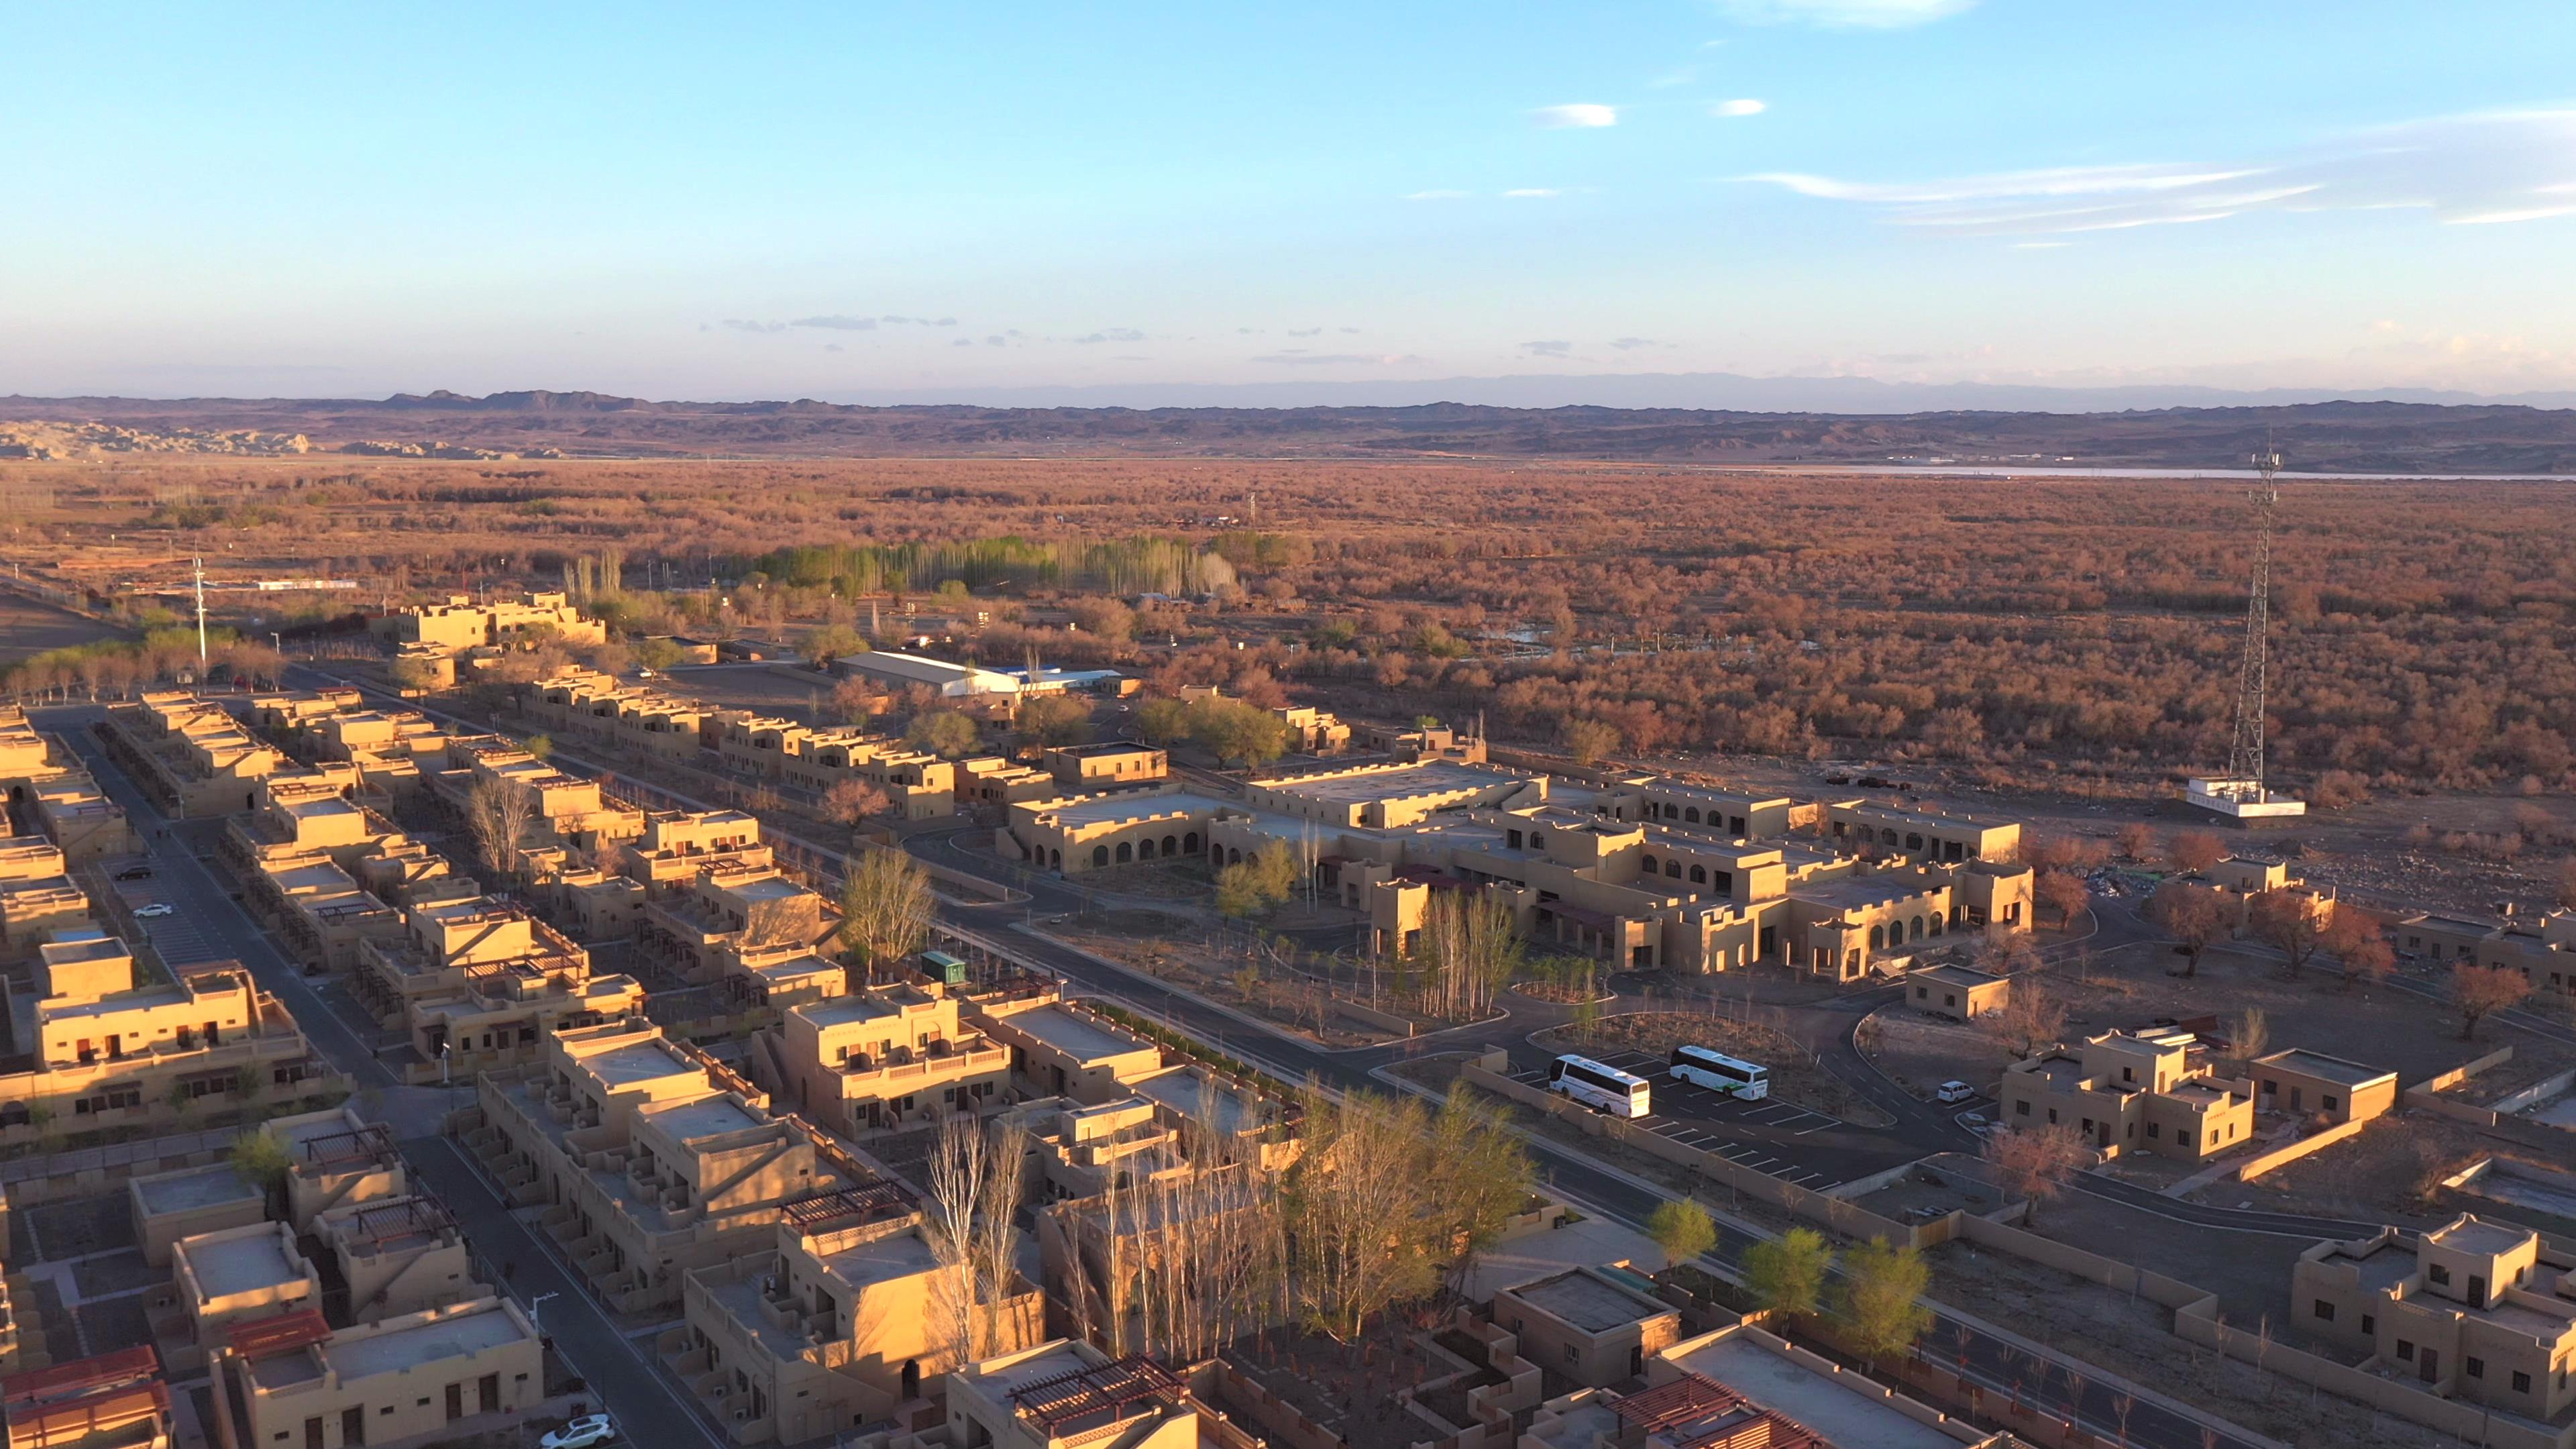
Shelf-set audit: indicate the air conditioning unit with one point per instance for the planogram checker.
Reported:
(741, 1414)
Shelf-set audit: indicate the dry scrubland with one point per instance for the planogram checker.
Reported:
(2076, 634)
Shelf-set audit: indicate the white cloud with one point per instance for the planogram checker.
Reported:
(1548, 349)
(1844, 14)
(2038, 246)
(1436, 196)
(2483, 169)
(1744, 106)
(1575, 117)
(1532, 193)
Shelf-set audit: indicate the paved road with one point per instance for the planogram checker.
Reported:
(2288, 1225)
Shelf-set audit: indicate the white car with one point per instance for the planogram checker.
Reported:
(581, 1433)
(154, 910)
(1954, 1092)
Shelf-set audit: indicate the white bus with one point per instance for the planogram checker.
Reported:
(1720, 1073)
(1594, 1085)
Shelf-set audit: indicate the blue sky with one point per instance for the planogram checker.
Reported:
(842, 200)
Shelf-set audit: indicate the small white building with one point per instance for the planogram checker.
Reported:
(902, 671)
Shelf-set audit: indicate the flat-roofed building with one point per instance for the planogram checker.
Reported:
(114, 1048)
(1920, 835)
(1596, 1326)
(1076, 1148)
(2130, 1093)
(33, 912)
(729, 913)
(677, 845)
(922, 785)
(1960, 993)
(565, 809)
(2473, 1310)
(321, 912)
(461, 624)
(1064, 1050)
(1313, 731)
(80, 820)
(1090, 833)
(884, 1058)
(334, 1159)
(992, 780)
(839, 1324)
(1066, 1393)
(1741, 1387)
(1107, 765)
(475, 984)
(169, 1206)
(399, 1379)
(650, 1158)
(950, 681)
(232, 1274)
(189, 755)
(116, 1400)
(396, 1256)
(1733, 814)
(28, 857)
(2300, 1082)
(1385, 796)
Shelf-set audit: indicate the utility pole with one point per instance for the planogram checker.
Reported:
(201, 620)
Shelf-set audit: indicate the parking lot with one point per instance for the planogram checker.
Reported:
(1760, 1135)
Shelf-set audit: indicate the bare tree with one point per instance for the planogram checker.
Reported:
(2036, 1162)
(2194, 915)
(2065, 893)
(956, 1177)
(2479, 990)
(1471, 947)
(2252, 1033)
(2193, 852)
(497, 812)
(2030, 1018)
(2287, 921)
(886, 906)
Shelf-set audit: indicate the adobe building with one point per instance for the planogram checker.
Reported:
(1742, 1387)
(475, 984)
(837, 1325)
(1595, 1326)
(1733, 814)
(2302, 1082)
(2472, 1310)
(888, 1057)
(334, 1159)
(1957, 993)
(650, 1158)
(1313, 731)
(1065, 1050)
(730, 914)
(190, 756)
(460, 624)
(2126, 1093)
(37, 898)
(1066, 1394)
(563, 810)
(113, 1049)
(169, 1206)
(115, 1399)
(299, 1381)
(232, 1274)
(2240, 881)
(397, 1256)
(992, 780)
(677, 844)
(1108, 765)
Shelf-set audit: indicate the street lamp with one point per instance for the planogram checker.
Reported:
(533, 1305)
(442, 1066)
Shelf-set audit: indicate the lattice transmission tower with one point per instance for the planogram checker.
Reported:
(2245, 755)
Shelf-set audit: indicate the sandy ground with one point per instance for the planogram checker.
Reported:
(28, 628)
(1921, 1052)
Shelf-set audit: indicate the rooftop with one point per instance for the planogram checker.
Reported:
(1855, 894)
(1430, 777)
(1589, 1301)
(707, 1116)
(405, 1345)
(1077, 1037)
(2469, 1235)
(1949, 975)
(881, 1260)
(230, 1263)
(643, 1061)
(2323, 1067)
(191, 1188)
(1112, 809)
(1844, 1417)
(2381, 1267)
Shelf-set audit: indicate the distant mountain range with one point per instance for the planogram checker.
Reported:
(1841, 421)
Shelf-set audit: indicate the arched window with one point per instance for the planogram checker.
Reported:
(1673, 868)
(1170, 845)
(1646, 863)
(1234, 855)
(1877, 938)
(1887, 837)
(1190, 842)
(1699, 875)
(1913, 841)
(1915, 933)
(1126, 852)
(1936, 923)
(1100, 855)
(1145, 848)
(1691, 815)
(1055, 860)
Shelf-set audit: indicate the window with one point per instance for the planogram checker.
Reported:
(2021, 1109)
(2438, 1273)
(1571, 1354)
(2128, 1074)
(2325, 1311)
(2182, 1136)
(2369, 1324)
(2052, 1114)
(2155, 1131)
(2475, 1367)
(2406, 1350)
(2327, 1102)
(2521, 1382)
